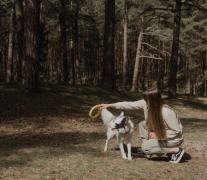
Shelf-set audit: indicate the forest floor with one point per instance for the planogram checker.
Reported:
(49, 135)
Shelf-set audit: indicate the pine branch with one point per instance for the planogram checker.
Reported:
(53, 6)
(148, 34)
(152, 9)
(198, 6)
(156, 48)
(151, 57)
(165, 37)
(149, 20)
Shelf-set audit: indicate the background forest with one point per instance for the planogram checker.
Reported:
(79, 53)
(122, 44)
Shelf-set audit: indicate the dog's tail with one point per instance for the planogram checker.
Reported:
(106, 116)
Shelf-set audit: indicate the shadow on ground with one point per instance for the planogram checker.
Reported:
(65, 141)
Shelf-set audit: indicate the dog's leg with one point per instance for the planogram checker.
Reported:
(106, 145)
(117, 138)
(110, 134)
(129, 151)
(121, 146)
(128, 142)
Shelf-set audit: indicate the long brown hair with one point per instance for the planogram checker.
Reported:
(154, 102)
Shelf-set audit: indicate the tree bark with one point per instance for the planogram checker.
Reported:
(31, 52)
(174, 55)
(108, 80)
(51, 62)
(190, 78)
(205, 82)
(20, 36)
(9, 74)
(72, 51)
(63, 41)
(1, 49)
(136, 66)
(124, 73)
(77, 60)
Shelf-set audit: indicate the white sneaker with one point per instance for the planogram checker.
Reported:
(176, 157)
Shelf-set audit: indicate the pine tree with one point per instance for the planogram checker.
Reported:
(9, 74)
(31, 52)
(108, 80)
(175, 48)
(20, 35)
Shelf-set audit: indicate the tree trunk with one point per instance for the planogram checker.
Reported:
(205, 81)
(63, 41)
(59, 60)
(159, 68)
(76, 41)
(9, 75)
(136, 66)
(51, 62)
(204, 55)
(190, 78)
(205, 73)
(72, 51)
(124, 73)
(174, 55)
(31, 52)
(163, 64)
(108, 80)
(143, 74)
(1, 49)
(20, 36)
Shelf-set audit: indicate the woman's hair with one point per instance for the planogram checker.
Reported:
(154, 102)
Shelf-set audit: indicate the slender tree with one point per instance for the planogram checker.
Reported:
(108, 80)
(137, 60)
(63, 41)
(1, 67)
(77, 59)
(9, 74)
(124, 79)
(20, 35)
(175, 48)
(31, 51)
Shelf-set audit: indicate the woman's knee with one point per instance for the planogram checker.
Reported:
(152, 147)
(145, 147)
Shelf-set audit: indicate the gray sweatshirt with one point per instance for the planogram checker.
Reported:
(172, 123)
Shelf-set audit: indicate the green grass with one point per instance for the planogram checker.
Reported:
(49, 135)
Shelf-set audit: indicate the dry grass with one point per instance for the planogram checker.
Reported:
(50, 136)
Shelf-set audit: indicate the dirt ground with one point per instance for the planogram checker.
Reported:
(49, 135)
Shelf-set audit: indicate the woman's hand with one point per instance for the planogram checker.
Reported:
(103, 106)
(153, 135)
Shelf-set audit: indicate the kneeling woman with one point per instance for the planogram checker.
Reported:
(161, 131)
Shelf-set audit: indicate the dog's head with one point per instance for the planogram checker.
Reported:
(120, 123)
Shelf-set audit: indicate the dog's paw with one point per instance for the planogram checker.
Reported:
(125, 157)
(130, 159)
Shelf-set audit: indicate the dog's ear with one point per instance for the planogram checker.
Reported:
(125, 120)
(122, 114)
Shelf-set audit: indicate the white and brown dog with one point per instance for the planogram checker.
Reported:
(120, 126)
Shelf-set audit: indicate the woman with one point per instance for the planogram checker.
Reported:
(161, 131)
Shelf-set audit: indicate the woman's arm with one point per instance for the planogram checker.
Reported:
(141, 104)
(104, 106)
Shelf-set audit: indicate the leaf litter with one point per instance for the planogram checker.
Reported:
(50, 136)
